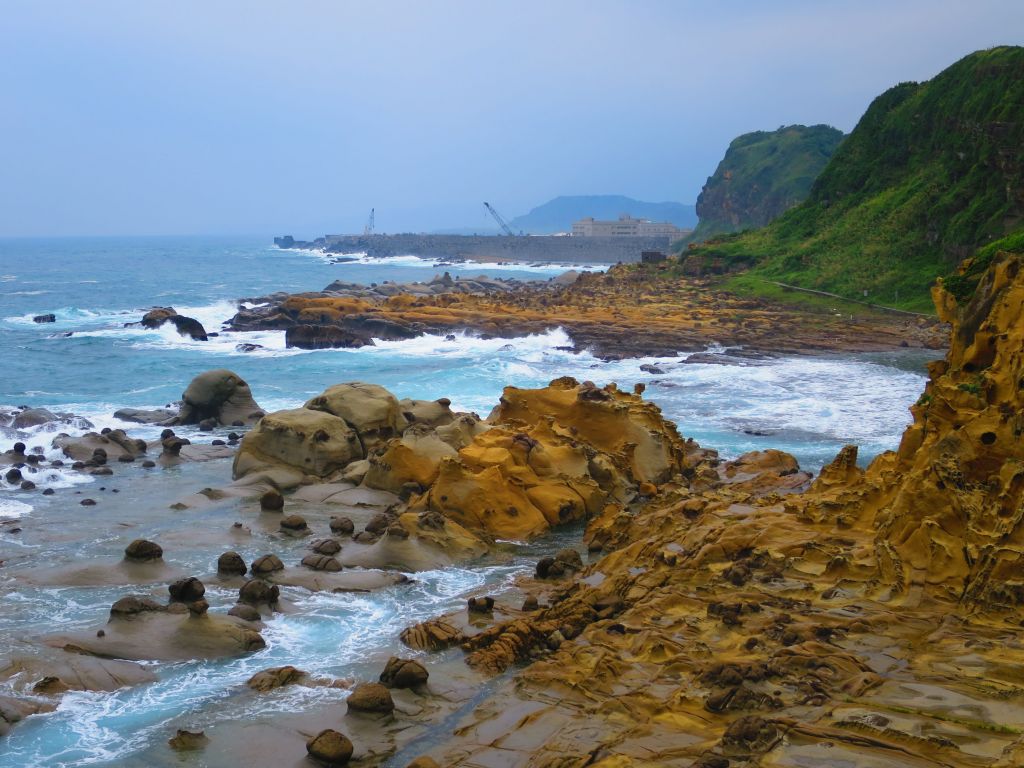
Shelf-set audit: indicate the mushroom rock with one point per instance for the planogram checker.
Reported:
(371, 410)
(231, 564)
(220, 395)
(258, 592)
(314, 443)
(186, 590)
(266, 564)
(143, 551)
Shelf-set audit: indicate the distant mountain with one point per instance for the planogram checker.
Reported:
(932, 172)
(558, 215)
(763, 175)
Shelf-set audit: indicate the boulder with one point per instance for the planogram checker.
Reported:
(231, 564)
(186, 326)
(185, 741)
(321, 563)
(311, 442)
(259, 592)
(342, 525)
(272, 501)
(371, 698)
(371, 410)
(323, 337)
(266, 564)
(143, 551)
(275, 677)
(220, 395)
(186, 590)
(330, 748)
(403, 673)
(48, 318)
(294, 524)
(326, 546)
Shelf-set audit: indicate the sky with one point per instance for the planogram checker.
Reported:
(225, 117)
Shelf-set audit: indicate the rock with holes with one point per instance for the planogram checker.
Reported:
(313, 443)
(220, 395)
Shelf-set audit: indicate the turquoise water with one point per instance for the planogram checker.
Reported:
(808, 406)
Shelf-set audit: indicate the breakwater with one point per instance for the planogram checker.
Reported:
(605, 250)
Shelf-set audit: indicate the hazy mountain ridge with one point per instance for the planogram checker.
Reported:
(557, 215)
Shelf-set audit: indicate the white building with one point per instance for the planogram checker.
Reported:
(626, 226)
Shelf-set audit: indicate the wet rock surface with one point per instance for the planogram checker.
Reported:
(749, 619)
(629, 311)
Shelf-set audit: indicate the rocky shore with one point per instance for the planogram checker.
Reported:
(629, 311)
(715, 614)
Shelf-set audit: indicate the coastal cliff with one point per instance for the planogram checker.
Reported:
(763, 175)
(931, 172)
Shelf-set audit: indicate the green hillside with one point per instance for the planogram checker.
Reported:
(932, 172)
(763, 174)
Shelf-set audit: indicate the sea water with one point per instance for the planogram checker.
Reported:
(89, 364)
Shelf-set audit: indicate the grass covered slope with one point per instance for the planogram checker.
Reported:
(932, 172)
(763, 174)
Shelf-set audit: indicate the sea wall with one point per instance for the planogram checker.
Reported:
(607, 250)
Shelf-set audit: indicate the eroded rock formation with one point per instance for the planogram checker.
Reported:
(872, 620)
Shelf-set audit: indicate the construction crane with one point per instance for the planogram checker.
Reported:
(368, 229)
(501, 222)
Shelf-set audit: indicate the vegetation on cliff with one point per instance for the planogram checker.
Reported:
(932, 172)
(763, 175)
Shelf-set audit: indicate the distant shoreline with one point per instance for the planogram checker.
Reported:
(524, 249)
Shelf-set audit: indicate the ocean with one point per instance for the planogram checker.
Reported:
(88, 364)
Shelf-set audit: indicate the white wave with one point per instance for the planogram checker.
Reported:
(11, 509)
(411, 260)
(26, 293)
(76, 316)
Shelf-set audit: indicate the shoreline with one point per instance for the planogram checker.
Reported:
(627, 311)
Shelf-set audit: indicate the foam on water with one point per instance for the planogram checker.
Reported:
(477, 267)
(12, 509)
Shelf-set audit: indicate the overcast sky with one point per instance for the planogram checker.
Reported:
(272, 117)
